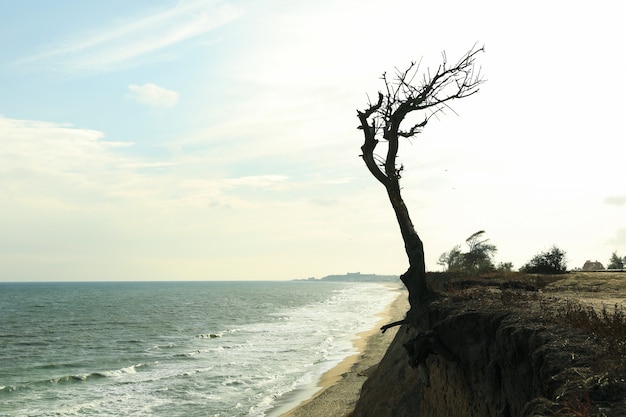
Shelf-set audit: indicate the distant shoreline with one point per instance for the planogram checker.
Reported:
(355, 277)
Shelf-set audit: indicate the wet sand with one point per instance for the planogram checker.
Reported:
(340, 387)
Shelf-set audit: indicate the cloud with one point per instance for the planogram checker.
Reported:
(52, 147)
(61, 165)
(58, 161)
(616, 200)
(258, 181)
(153, 95)
(619, 238)
(121, 45)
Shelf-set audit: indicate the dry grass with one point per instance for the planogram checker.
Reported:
(454, 282)
(605, 326)
(573, 406)
(591, 282)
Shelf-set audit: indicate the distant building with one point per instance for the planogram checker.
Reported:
(593, 266)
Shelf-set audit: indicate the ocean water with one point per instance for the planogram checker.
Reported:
(207, 349)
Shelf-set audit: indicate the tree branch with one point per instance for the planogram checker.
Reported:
(369, 131)
(414, 130)
(394, 324)
(402, 97)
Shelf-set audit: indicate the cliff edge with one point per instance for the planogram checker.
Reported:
(510, 345)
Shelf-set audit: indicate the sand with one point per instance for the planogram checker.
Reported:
(341, 386)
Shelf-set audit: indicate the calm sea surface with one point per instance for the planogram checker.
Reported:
(174, 348)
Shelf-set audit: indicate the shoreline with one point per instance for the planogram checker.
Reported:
(339, 388)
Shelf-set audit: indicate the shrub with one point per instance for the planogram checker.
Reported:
(616, 262)
(551, 261)
(505, 267)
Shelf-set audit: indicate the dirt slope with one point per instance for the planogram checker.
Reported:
(511, 345)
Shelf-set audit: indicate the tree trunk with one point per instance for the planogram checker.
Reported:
(414, 278)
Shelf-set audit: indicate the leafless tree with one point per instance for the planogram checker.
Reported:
(412, 93)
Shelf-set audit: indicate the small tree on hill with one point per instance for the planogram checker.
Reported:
(505, 266)
(476, 260)
(478, 257)
(551, 261)
(411, 93)
(616, 262)
(452, 260)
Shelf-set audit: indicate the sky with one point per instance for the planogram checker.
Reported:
(217, 140)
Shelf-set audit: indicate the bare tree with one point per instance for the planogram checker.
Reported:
(408, 93)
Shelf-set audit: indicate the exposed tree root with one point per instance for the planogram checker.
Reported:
(394, 324)
(424, 344)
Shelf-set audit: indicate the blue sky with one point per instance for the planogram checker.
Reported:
(205, 139)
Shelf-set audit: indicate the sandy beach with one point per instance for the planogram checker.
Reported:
(341, 386)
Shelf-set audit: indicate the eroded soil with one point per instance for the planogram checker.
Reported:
(584, 311)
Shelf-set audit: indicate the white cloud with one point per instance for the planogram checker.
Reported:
(153, 95)
(119, 46)
(58, 162)
(620, 237)
(52, 164)
(616, 200)
(258, 181)
(52, 147)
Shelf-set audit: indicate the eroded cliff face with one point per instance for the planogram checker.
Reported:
(500, 361)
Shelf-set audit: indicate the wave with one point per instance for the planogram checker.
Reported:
(35, 343)
(161, 347)
(129, 341)
(210, 335)
(96, 375)
(190, 354)
(47, 366)
(215, 335)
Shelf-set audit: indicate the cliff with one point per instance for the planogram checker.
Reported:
(514, 345)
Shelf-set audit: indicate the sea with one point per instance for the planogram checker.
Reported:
(210, 349)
